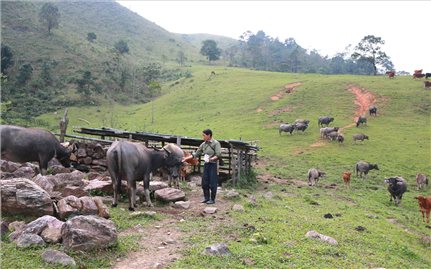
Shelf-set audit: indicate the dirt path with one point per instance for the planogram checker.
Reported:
(162, 242)
(287, 89)
(363, 100)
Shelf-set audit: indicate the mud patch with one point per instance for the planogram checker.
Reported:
(287, 89)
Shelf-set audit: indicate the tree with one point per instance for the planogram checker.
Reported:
(210, 50)
(369, 50)
(24, 73)
(91, 37)
(122, 47)
(84, 83)
(6, 58)
(49, 16)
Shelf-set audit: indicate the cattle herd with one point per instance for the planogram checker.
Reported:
(416, 74)
(397, 186)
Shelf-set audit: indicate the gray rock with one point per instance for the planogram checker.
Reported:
(157, 185)
(23, 196)
(58, 258)
(68, 206)
(88, 233)
(237, 207)
(24, 172)
(100, 186)
(38, 225)
(29, 240)
(89, 207)
(321, 237)
(74, 190)
(169, 195)
(182, 204)
(217, 250)
(232, 194)
(210, 210)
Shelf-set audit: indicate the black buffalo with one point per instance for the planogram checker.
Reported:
(134, 162)
(19, 144)
(397, 186)
(324, 121)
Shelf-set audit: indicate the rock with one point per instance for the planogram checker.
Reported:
(217, 250)
(88, 233)
(51, 235)
(97, 185)
(103, 210)
(232, 194)
(268, 195)
(169, 195)
(89, 207)
(58, 258)
(74, 190)
(182, 204)
(24, 172)
(67, 179)
(4, 229)
(59, 169)
(9, 167)
(29, 240)
(17, 226)
(237, 207)
(321, 237)
(23, 196)
(44, 183)
(68, 206)
(210, 210)
(38, 225)
(157, 185)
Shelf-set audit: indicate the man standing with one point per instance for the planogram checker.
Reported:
(211, 150)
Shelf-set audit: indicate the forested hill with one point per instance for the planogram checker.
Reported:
(99, 51)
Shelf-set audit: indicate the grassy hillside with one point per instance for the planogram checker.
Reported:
(197, 39)
(229, 102)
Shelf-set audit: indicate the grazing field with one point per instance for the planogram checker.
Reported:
(250, 105)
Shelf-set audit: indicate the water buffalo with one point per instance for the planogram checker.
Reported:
(19, 144)
(364, 167)
(324, 121)
(288, 128)
(397, 186)
(373, 110)
(314, 175)
(133, 161)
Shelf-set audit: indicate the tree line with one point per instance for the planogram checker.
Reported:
(262, 52)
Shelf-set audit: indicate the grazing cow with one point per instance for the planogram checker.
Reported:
(302, 121)
(288, 128)
(421, 180)
(424, 206)
(364, 167)
(361, 120)
(326, 130)
(340, 138)
(21, 145)
(360, 137)
(373, 110)
(332, 135)
(346, 177)
(391, 74)
(427, 84)
(427, 75)
(418, 75)
(300, 126)
(314, 175)
(133, 161)
(324, 121)
(397, 187)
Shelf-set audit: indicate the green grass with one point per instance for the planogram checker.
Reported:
(399, 143)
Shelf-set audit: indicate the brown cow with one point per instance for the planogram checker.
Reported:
(391, 74)
(424, 206)
(346, 177)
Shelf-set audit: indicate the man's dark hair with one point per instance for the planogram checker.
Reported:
(208, 132)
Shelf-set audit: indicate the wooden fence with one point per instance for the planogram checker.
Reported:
(237, 154)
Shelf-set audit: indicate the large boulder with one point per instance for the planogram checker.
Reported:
(170, 195)
(23, 196)
(68, 206)
(99, 186)
(87, 233)
(58, 182)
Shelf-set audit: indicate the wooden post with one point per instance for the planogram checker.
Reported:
(63, 125)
